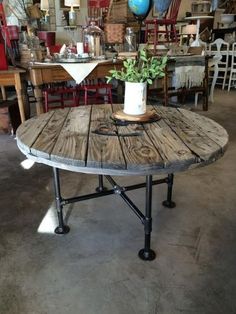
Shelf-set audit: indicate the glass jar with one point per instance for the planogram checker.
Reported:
(93, 38)
(130, 40)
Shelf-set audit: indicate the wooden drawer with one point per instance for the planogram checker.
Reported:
(42, 76)
(55, 75)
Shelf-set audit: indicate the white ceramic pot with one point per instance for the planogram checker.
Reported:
(135, 98)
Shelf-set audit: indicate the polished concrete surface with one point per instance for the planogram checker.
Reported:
(95, 269)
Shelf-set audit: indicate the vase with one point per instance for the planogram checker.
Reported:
(135, 98)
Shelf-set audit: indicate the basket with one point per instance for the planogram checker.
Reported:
(120, 12)
(114, 33)
(28, 55)
(34, 12)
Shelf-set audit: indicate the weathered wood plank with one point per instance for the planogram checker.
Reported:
(28, 132)
(211, 128)
(193, 137)
(172, 150)
(71, 146)
(104, 151)
(117, 107)
(139, 151)
(47, 139)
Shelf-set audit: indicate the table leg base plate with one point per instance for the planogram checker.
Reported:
(147, 256)
(101, 189)
(63, 230)
(168, 204)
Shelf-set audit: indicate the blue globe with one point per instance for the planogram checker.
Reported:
(139, 7)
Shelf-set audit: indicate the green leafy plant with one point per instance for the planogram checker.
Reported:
(145, 68)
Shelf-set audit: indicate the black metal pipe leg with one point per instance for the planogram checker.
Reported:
(169, 203)
(100, 187)
(62, 228)
(146, 253)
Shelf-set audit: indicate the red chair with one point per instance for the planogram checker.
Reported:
(48, 37)
(95, 92)
(152, 30)
(97, 10)
(55, 49)
(98, 3)
(60, 97)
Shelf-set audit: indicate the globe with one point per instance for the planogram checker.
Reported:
(139, 7)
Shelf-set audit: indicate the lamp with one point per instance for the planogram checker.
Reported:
(44, 6)
(191, 30)
(72, 13)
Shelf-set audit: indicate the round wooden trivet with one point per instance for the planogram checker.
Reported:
(149, 116)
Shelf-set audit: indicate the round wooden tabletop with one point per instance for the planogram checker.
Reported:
(86, 139)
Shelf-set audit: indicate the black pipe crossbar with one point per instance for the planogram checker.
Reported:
(85, 197)
(101, 193)
(121, 192)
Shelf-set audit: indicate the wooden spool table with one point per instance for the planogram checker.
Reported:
(85, 139)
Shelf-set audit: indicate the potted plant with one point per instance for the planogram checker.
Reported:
(136, 74)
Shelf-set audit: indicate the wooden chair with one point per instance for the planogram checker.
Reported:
(153, 30)
(97, 10)
(59, 97)
(95, 91)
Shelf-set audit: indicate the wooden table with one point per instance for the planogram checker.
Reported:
(12, 77)
(85, 139)
(40, 74)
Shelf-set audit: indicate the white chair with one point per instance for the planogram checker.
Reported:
(213, 66)
(232, 76)
(220, 49)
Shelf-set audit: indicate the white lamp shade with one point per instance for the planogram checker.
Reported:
(44, 5)
(190, 29)
(72, 3)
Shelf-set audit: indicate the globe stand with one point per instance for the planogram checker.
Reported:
(140, 17)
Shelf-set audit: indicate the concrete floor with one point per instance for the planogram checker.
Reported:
(95, 269)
